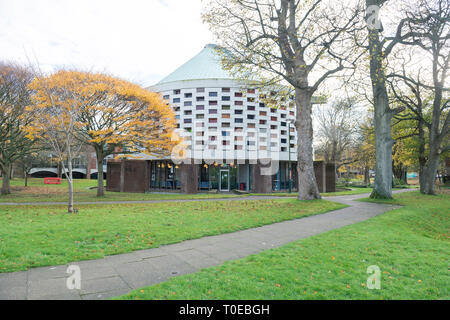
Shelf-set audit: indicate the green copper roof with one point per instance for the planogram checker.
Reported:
(205, 65)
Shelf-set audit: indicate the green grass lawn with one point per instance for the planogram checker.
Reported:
(32, 236)
(410, 245)
(38, 192)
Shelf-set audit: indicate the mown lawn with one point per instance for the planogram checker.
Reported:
(32, 236)
(37, 191)
(410, 245)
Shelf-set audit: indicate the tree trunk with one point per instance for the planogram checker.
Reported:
(307, 185)
(366, 175)
(382, 119)
(6, 185)
(100, 182)
(430, 171)
(70, 181)
(26, 179)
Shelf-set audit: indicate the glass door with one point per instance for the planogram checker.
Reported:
(225, 180)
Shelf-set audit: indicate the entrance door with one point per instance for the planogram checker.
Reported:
(225, 180)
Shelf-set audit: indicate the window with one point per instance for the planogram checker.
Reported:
(212, 120)
(273, 127)
(263, 113)
(226, 98)
(200, 116)
(225, 107)
(200, 90)
(262, 121)
(238, 103)
(250, 125)
(225, 124)
(238, 111)
(251, 116)
(251, 108)
(261, 105)
(238, 94)
(200, 107)
(238, 120)
(250, 99)
(273, 118)
(200, 99)
(213, 94)
(273, 110)
(187, 112)
(225, 89)
(188, 103)
(212, 111)
(226, 116)
(166, 97)
(225, 133)
(283, 140)
(187, 120)
(213, 103)
(251, 91)
(188, 95)
(176, 100)
(176, 91)
(283, 124)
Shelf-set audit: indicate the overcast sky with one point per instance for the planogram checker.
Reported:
(139, 40)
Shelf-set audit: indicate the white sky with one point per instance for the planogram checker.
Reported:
(139, 40)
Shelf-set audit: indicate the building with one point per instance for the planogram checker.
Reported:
(233, 139)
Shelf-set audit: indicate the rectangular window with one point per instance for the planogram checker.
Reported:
(225, 89)
(187, 120)
(263, 113)
(188, 103)
(213, 103)
(212, 111)
(200, 116)
(238, 94)
(226, 116)
(187, 112)
(238, 120)
(251, 108)
(176, 91)
(225, 107)
(250, 125)
(251, 91)
(166, 97)
(225, 124)
(273, 118)
(251, 116)
(226, 98)
(200, 99)
(238, 111)
(250, 99)
(176, 100)
(213, 94)
(212, 120)
(200, 108)
(200, 90)
(188, 95)
(238, 103)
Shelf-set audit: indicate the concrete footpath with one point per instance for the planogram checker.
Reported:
(119, 274)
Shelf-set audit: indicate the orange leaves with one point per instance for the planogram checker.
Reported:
(111, 111)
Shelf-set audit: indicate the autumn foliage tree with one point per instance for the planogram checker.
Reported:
(114, 115)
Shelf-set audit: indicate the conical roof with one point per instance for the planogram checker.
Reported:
(205, 65)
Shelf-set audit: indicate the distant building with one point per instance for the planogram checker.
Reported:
(234, 139)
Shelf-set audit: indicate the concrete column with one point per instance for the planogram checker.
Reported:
(189, 178)
(260, 183)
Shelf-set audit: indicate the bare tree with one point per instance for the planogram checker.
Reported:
(14, 118)
(338, 125)
(422, 92)
(295, 42)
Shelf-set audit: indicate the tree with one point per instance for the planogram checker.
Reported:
(118, 115)
(14, 118)
(57, 111)
(364, 151)
(425, 93)
(295, 42)
(338, 125)
(380, 47)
